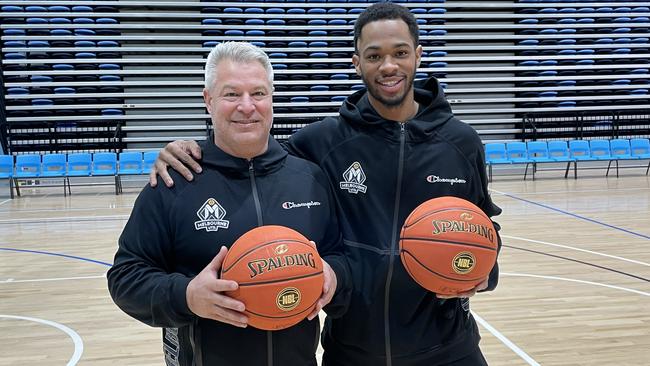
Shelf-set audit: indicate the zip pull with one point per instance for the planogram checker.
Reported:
(402, 127)
(251, 169)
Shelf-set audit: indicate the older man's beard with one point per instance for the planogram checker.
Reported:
(389, 103)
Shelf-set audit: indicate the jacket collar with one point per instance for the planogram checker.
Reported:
(434, 111)
(269, 161)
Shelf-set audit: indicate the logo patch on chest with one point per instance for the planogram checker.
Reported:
(353, 178)
(211, 216)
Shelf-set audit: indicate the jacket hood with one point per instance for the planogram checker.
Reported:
(216, 158)
(434, 111)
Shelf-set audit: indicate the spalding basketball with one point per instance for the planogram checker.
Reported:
(448, 245)
(280, 276)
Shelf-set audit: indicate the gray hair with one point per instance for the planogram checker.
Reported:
(240, 52)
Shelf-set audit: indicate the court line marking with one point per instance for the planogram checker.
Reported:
(78, 343)
(57, 255)
(492, 330)
(575, 215)
(577, 249)
(511, 274)
(575, 191)
(82, 209)
(481, 321)
(516, 348)
(11, 280)
(5, 201)
(505, 340)
(40, 220)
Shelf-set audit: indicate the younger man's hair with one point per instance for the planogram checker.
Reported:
(385, 11)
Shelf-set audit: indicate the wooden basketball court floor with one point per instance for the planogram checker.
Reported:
(574, 288)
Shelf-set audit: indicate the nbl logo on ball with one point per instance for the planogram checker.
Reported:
(288, 299)
(463, 262)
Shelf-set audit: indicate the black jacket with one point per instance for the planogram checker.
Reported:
(173, 233)
(381, 170)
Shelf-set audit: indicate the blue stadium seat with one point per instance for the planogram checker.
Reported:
(27, 166)
(580, 150)
(106, 21)
(83, 21)
(105, 164)
(148, 159)
(82, 9)
(275, 11)
(258, 22)
(517, 152)
(59, 20)
(620, 149)
(495, 154)
(84, 32)
(337, 11)
(55, 166)
(7, 171)
(130, 163)
(79, 165)
(600, 149)
(640, 147)
(17, 91)
(64, 90)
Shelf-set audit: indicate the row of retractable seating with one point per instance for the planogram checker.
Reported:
(580, 55)
(66, 166)
(532, 153)
(67, 33)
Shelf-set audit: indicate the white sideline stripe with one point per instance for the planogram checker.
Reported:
(53, 279)
(577, 281)
(39, 220)
(78, 343)
(70, 209)
(513, 346)
(578, 249)
(5, 201)
(505, 340)
(570, 191)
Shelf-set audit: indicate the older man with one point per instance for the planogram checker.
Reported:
(170, 252)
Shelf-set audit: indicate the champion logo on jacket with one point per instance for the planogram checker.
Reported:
(353, 178)
(289, 205)
(451, 181)
(211, 214)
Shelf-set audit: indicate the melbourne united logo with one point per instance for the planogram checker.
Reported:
(353, 179)
(211, 215)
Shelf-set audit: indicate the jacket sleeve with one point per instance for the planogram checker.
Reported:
(141, 281)
(331, 250)
(313, 141)
(491, 210)
(298, 145)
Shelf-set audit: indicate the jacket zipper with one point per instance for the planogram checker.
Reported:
(260, 222)
(256, 198)
(393, 244)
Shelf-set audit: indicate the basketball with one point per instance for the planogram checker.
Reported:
(280, 276)
(448, 245)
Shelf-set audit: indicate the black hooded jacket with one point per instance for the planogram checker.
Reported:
(381, 170)
(173, 233)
